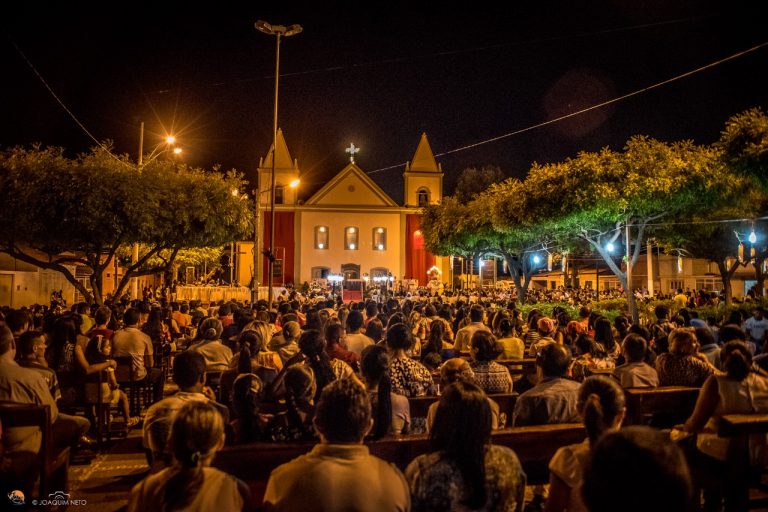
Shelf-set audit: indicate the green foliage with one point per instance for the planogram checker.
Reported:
(473, 181)
(744, 143)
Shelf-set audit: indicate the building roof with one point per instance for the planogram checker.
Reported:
(423, 159)
(283, 160)
(351, 187)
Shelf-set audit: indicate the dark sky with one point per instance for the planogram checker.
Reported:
(378, 76)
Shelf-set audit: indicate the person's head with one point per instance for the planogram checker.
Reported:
(484, 346)
(300, 383)
(343, 414)
(759, 313)
(456, 368)
(399, 337)
(461, 430)
(661, 311)
(584, 312)
(704, 336)
(601, 404)
(7, 343)
(210, 329)
(31, 345)
(546, 326)
(224, 310)
(131, 317)
(585, 344)
(247, 393)
(682, 342)
(197, 434)
(634, 348)
(189, 370)
(506, 327)
(333, 334)
(604, 332)
(103, 315)
(737, 360)
(291, 331)
(476, 313)
(554, 360)
(641, 331)
(731, 332)
(354, 321)
(375, 330)
(18, 321)
(639, 468)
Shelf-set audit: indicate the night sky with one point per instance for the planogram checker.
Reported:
(378, 76)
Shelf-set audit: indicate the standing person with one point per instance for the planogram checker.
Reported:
(191, 484)
(339, 472)
(464, 470)
(756, 329)
(602, 406)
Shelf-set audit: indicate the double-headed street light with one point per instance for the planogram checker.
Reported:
(279, 31)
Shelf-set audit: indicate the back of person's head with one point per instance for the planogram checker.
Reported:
(131, 316)
(683, 342)
(291, 331)
(374, 366)
(485, 346)
(476, 313)
(333, 334)
(554, 360)
(210, 329)
(184, 308)
(196, 435)
(18, 320)
(640, 331)
(584, 312)
(399, 337)
(25, 345)
(456, 368)
(506, 327)
(601, 403)
(311, 343)
(375, 330)
(461, 431)
(82, 308)
(6, 339)
(604, 332)
(705, 336)
(586, 344)
(634, 347)
(661, 311)
(343, 414)
(354, 320)
(224, 310)
(247, 394)
(737, 360)
(731, 332)
(637, 469)
(103, 314)
(188, 369)
(546, 326)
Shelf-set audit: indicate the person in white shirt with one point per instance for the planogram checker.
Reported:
(635, 373)
(464, 335)
(130, 341)
(218, 357)
(354, 339)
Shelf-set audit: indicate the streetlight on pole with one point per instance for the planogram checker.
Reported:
(279, 31)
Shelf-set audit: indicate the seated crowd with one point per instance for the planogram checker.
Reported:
(341, 375)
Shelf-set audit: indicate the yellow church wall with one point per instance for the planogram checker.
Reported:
(432, 182)
(336, 255)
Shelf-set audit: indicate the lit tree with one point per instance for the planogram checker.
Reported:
(63, 212)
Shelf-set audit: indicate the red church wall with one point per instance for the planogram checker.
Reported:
(284, 246)
(417, 259)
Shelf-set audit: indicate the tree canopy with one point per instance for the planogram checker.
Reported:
(79, 211)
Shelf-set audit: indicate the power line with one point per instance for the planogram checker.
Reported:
(593, 107)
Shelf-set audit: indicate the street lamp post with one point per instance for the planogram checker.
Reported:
(278, 31)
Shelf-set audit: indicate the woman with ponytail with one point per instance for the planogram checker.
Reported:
(191, 484)
(391, 412)
(602, 407)
(300, 391)
(742, 390)
(326, 370)
(465, 471)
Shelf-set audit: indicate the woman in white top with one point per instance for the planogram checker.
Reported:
(191, 484)
(218, 357)
(601, 403)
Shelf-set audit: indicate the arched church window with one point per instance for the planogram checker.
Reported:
(423, 197)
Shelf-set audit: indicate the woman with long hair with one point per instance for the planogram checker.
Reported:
(391, 412)
(602, 407)
(590, 357)
(247, 394)
(465, 471)
(300, 391)
(604, 336)
(326, 370)
(191, 484)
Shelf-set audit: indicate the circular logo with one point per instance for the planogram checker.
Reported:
(16, 497)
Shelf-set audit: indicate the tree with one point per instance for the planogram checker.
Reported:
(473, 181)
(600, 197)
(744, 144)
(80, 211)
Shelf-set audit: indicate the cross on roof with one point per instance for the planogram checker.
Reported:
(352, 150)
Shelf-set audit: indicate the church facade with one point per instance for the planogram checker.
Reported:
(350, 228)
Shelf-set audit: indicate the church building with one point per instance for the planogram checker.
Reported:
(349, 228)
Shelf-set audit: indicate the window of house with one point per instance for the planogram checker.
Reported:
(423, 197)
(350, 239)
(279, 198)
(379, 239)
(321, 237)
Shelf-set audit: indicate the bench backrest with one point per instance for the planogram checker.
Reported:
(661, 407)
(420, 405)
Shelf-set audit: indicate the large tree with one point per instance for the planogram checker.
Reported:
(474, 181)
(63, 212)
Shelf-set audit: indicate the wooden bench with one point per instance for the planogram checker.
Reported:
(534, 445)
(53, 463)
(740, 474)
(660, 407)
(420, 405)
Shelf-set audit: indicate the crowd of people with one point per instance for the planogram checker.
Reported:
(341, 374)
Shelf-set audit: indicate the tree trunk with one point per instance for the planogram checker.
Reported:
(759, 276)
(96, 279)
(726, 273)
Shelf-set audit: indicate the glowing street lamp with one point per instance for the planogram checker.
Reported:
(278, 31)
(610, 247)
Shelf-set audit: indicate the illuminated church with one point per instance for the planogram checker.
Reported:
(350, 227)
